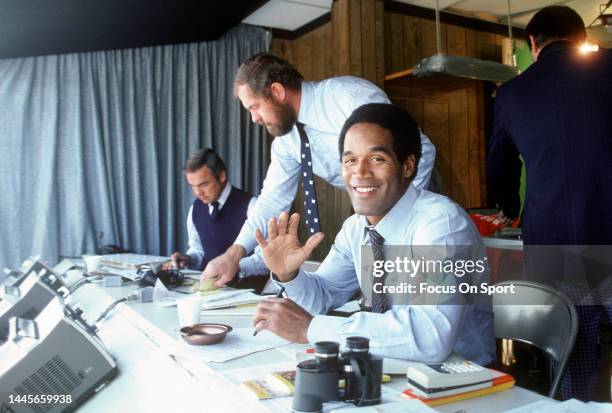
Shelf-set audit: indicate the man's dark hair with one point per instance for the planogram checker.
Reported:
(205, 157)
(263, 69)
(405, 134)
(555, 23)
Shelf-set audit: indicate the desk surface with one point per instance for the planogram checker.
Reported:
(150, 380)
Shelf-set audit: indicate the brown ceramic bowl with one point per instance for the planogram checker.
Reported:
(205, 334)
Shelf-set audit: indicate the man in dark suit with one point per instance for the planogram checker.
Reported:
(558, 116)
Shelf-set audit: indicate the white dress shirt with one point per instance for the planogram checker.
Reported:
(427, 333)
(324, 107)
(251, 265)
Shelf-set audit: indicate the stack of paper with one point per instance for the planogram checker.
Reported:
(221, 298)
(229, 297)
(239, 342)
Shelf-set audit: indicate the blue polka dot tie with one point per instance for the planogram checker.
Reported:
(379, 301)
(311, 210)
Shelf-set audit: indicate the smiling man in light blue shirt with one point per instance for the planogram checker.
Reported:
(380, 151)
(277, 97)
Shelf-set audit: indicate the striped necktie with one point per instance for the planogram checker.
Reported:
(311, 210)
(379, 301)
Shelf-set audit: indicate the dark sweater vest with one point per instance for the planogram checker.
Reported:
(216, 236)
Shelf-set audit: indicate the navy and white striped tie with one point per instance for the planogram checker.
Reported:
(311, 209)
(379, 301)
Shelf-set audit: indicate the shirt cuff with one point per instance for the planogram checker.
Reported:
(251, 265)
(246, 239)
(195, 260)
(294, 286)
(326, 328)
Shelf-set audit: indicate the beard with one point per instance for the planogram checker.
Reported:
(286, 119)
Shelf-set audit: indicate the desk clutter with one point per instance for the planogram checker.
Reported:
(42, 325)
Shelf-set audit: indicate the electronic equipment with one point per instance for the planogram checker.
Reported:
(16, 277)
(317, 380)
(170, 278)
(445, 379)
(55, 354)
(27, 297)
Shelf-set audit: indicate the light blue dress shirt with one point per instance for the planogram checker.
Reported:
(324, 107)
(251, 265)
(427, 333)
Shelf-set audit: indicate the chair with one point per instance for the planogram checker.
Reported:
(550, 326)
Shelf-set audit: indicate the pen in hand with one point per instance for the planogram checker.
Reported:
(279, 294)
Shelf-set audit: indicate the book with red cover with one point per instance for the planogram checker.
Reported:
(501, 381)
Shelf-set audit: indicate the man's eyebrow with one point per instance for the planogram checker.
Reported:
(380, 149)
(200, 183)
(372, 149)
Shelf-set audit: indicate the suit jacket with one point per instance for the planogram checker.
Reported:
(558, 116)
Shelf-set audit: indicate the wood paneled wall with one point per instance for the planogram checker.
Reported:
(409, 39)
(454, 120)
(363, 40)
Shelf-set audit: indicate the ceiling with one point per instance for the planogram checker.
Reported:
(41, 27)
(293, 14)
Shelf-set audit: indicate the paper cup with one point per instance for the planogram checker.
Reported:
(189, 309)
(92, 262)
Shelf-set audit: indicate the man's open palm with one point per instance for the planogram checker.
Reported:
(282, 251)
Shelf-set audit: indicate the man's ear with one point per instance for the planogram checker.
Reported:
(278, 91)
(535, 50)
(409, 166)
(223, 177)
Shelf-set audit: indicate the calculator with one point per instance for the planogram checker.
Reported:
(447, 375)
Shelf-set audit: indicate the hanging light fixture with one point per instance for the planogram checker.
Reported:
(462, 66)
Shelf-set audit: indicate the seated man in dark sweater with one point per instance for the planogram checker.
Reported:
(216, 216)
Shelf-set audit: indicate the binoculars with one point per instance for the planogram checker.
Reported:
(320, 380)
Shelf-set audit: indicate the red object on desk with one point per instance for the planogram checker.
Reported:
(501, 381)
(488, 224)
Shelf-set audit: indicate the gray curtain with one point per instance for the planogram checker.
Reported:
(93, 144)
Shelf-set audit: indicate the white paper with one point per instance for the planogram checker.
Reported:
(229, 298)
(239, 342)
(164, 297)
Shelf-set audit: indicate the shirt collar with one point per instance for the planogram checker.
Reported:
(307, 104)
(388, 225)
(556, 46)
(224, 194)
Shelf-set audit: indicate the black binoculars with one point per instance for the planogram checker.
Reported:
(353, 376)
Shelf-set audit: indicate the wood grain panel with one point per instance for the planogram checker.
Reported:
(459, 147)
(379, 11)
(396, 43)
(368, 40)
(355, 38)
(302, 55)
(319, 55)
(456, 40)
(341, 36)
(412, 41)
(436, 127)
